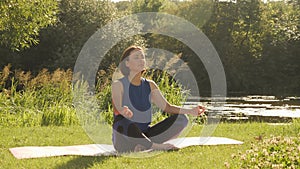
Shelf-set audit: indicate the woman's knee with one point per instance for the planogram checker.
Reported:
(182, 120)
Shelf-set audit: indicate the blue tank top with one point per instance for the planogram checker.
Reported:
(138, 100)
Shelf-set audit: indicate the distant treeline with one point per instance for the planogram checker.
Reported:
(258, 42)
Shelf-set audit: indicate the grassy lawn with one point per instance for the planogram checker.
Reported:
(191, 157)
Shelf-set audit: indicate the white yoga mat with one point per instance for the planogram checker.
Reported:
(107, 150)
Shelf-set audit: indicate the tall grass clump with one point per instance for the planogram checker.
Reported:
(103, 94)
(44, 99)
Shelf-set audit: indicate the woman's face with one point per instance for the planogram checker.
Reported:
(136, 61)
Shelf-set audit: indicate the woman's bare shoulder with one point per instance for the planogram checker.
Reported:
(117, 84)
(153, 85)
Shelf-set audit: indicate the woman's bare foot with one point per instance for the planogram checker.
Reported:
(156, 146)
(139, 147)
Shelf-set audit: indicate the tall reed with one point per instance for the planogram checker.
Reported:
(44, 99)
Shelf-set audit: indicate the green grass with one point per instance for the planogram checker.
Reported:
(191, 157)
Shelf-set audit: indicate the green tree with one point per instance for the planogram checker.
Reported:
(147, 5)
(247, 31)
(197, 12)
(22, 20)
(60, 44)
(280, 59)
(78, 20)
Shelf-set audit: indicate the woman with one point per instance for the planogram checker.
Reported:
(132, 96)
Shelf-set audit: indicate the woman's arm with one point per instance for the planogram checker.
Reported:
(117, 95)
(159, 100)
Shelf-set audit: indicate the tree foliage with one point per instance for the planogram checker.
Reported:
(22, 20)
(61, 44)
(256, 42)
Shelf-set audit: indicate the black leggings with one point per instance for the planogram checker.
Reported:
(127, 135)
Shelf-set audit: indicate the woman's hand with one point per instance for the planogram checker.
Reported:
(197, 111)
(126, 112)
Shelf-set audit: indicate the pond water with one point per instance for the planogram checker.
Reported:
(258, 108)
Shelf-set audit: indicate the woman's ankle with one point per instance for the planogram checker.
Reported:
(156, 146)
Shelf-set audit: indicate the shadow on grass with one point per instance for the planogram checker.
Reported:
(82, 162)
